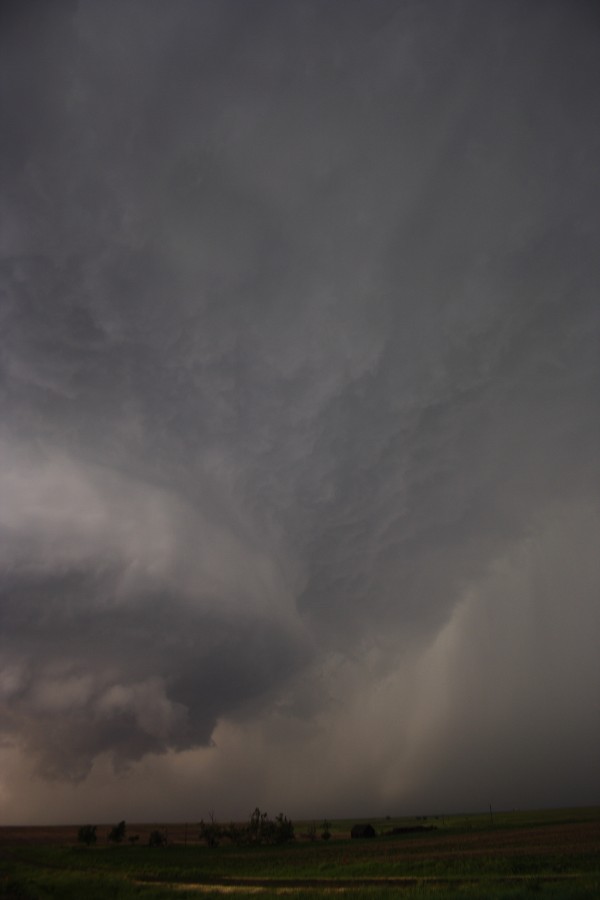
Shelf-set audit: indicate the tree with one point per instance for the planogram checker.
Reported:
(284, 829)
(87, 835)
(211, 832)
(157, 839)
(262, 830)
(237, 834)
(117, 834)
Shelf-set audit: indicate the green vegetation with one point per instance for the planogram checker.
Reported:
(553, 854)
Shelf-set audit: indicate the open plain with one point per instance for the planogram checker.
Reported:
(554, 853)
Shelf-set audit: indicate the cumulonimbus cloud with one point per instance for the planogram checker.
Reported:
(299, 394)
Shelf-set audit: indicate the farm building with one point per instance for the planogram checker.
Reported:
(362, 831)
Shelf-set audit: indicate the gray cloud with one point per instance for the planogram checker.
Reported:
(299, 375)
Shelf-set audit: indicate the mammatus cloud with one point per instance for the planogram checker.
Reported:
(299, 434)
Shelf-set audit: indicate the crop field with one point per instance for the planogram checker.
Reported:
(551, 853)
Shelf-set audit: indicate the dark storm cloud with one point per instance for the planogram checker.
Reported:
(299, 351)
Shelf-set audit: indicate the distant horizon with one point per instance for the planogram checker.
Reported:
(132, 823)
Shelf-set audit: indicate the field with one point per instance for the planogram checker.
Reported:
(550, 853)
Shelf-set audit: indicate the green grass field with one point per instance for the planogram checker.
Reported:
(552, 853)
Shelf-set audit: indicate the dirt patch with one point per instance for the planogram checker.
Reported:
(338, 885)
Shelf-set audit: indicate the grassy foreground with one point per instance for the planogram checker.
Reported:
(553, 854)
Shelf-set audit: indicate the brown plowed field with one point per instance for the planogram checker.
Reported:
(568, 839)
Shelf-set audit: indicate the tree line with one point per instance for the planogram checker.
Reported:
(259, 829)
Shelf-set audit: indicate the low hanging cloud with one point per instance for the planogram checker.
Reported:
(299, 440)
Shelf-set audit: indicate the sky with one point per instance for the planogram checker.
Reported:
(299, 408)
